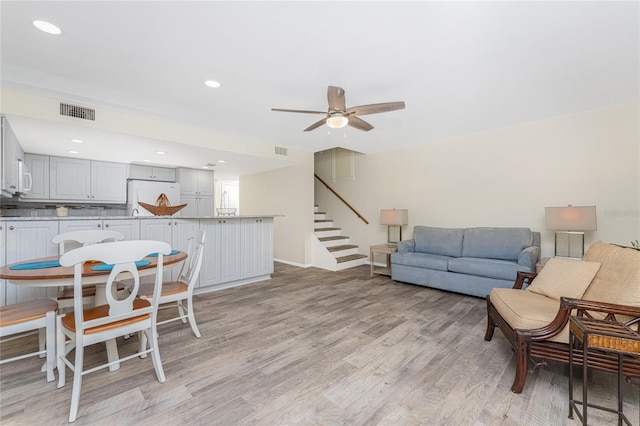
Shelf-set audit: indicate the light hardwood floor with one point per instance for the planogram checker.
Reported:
(312, 347)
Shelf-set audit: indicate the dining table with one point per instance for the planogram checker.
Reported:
(47, 272)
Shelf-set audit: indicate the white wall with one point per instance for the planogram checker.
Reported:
(287, 192)
(504, 177)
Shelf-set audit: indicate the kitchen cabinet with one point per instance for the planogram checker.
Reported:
(85, 180)
(257, 247)
(38, 166)
(172, 231)
(195, 182)
(222, 251)
(3, 261)
(11, 154)
(27, 240)
(197, 206)
(165, 174)
(130, 228)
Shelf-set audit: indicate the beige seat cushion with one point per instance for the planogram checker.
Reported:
(527, 310)
(618, 280)
(564, 277)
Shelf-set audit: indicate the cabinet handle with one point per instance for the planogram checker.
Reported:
(0, 228)
(99, 226)
(106, 225)
(11, 228)
(169, 223)
(88, 196)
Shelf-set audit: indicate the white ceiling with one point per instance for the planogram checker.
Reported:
(460, 67)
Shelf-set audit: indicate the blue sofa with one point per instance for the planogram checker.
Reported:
(470, 261)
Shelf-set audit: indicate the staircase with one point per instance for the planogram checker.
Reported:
(332, 250)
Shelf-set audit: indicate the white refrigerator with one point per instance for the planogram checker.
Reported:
(148, 192)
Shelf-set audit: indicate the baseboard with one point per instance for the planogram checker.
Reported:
(287, 262)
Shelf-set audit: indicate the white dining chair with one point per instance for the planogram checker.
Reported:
(75, 239)
(119, 317)
(176, 293)
(18, 318)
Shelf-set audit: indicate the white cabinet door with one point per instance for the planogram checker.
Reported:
(130, 228)
(195, 182)
(3, 261)
(257, 247)
(138, 171)
(11, 152)
(70, 179)
(164, 174)
(197, 206)
(38, 166)
(108, 182)
(27, 240)
(222, 251)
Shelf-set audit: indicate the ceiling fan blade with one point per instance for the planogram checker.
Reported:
(304, 111)
(375, 108)
(316, 125)
(359, 123)
(335, 95)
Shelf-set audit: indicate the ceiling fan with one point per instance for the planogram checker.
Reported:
(338, 115)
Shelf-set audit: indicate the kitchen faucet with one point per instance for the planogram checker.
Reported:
(135, 210)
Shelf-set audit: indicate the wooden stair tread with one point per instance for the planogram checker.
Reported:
(326, 229)
(323, 220)
(336, 237)
(342, 247)
(343, 259)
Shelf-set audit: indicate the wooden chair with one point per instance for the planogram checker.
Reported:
(88, 326)
(74, 239)
(28, 316)
(181, 290)
(537, 325)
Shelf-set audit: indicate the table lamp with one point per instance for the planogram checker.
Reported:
(569, 224)
(395, 219)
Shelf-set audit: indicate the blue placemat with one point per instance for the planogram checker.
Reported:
(108, 266)
(170, 254)
(36, 265)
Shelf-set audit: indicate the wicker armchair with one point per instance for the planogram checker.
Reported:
(613, 294)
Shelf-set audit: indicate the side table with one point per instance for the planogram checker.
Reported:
(606, 336)
(387, 249)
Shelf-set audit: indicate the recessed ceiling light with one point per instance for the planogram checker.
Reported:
(212, 83)
(47, 27)
(77, 140)
(74, 152)
(221, 161)
(147, 161)
(160, 152)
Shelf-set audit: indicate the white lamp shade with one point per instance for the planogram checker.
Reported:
(394, 217)
(570, 218)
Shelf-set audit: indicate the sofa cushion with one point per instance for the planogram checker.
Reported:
(618, 280)
(496, 243)
(490, 268)
(564, 277)
(527, 310)
(442, 241)
(421, 260)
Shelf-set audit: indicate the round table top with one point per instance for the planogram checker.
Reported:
(66, 272)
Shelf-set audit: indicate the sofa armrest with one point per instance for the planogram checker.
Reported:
(407, 246)
(569, 306)
(529, 257)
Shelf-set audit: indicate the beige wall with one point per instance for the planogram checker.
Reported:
(504, 177)
(287, 192)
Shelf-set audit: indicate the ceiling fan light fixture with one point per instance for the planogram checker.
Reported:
(337, 121)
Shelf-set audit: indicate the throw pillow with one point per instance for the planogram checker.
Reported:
(564, 277)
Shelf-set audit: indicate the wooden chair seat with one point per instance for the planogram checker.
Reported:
(168, 288)
(25, 311)
(102, 311)
(23, 317)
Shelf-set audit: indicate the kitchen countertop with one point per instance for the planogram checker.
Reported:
(34, 218)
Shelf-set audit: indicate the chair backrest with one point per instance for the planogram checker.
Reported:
(191, 266)
(122, 255)
(84, 238)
